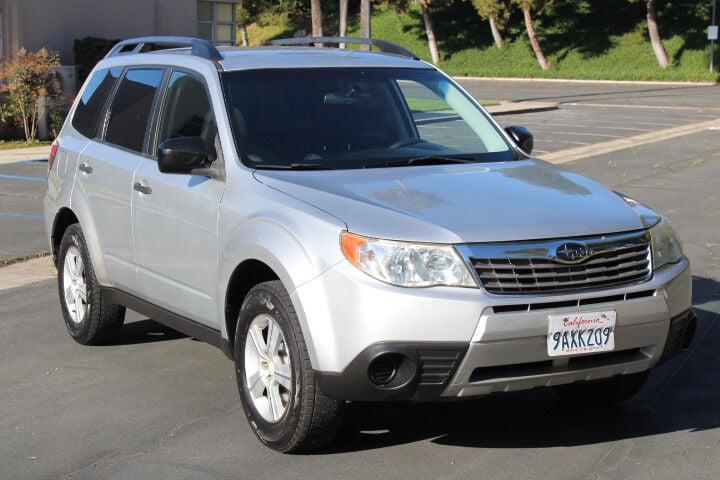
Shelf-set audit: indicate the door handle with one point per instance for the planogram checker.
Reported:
(142, 188)
(85, 168)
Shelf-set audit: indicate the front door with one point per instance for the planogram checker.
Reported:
(175, 216)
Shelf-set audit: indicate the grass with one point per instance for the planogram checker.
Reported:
(577, 42)
(270, 25)
(12, 144)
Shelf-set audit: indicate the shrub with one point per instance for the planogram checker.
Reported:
(88, 52)
(57, 112)
(27, 77)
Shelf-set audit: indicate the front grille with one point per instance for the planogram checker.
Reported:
(532, 267)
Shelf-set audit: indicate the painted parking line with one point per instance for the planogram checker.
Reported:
(21, 215)
(547, 140)
(642, 107)
(7, 176)
(595, 126)
(571, 154)
(654, 124)
(586, 134)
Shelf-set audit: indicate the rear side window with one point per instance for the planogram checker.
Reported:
(130, 110)
(93, 100)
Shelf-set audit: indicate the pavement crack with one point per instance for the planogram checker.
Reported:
(153, 444)
(162, 440)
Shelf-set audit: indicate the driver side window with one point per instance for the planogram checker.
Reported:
(187, 112)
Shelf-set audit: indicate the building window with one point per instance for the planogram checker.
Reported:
(216, 22)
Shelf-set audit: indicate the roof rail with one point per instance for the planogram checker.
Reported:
(199, 48)
(383, 45)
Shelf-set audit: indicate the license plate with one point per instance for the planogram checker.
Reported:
(577, 333)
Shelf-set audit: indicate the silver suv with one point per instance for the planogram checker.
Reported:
(349, 225)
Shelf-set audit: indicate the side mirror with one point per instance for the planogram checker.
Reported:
(522, 136)
(182, 155)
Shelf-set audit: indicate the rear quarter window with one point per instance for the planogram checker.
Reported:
(93, 100)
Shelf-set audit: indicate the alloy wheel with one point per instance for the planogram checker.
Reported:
(75, 285)
(268, 369)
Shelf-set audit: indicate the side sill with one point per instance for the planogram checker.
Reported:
(172, 320)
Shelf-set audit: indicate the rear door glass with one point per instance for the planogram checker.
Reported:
(131, 107)
(93, 100)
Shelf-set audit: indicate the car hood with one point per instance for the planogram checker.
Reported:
(479, 202)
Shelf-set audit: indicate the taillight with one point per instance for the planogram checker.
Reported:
(53, 154)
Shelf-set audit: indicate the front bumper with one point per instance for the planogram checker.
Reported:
(478, 343)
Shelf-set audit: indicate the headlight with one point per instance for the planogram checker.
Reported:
(406, 264)
(648, 216)
(666, 245)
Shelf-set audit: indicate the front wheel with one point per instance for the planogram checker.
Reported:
(283, 403)
(603, 392)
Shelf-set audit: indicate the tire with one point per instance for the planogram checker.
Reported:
(303, 417)
(93, 320)
(603, 392)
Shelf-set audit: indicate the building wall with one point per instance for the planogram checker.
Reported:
(56, 24)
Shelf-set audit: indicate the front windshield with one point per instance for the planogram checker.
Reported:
(345, 118)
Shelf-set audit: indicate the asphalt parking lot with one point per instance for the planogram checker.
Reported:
(579, 125)
(22, 186)
(160, 405)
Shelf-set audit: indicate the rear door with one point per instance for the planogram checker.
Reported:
(107, 165)
(175, 216)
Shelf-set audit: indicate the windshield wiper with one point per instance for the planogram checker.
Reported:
(292, 166)
(427, 160)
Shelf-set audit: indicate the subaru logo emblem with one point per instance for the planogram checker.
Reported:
(572, 252)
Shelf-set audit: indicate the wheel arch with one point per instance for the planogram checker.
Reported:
(63, 219)
(244, 277)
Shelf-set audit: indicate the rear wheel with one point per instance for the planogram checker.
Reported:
(613, 390)
(89, 318)
(283, 403)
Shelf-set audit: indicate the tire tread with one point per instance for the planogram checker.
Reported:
(320, 415)
(105, 319)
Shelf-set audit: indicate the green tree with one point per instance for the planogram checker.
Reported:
(365, 21)
(342, 17)
(496, 12)
(25, 78)
(316, 16)
(429, 30)
(654, 33)
(244, 18)
(527, 6)
(248, 12)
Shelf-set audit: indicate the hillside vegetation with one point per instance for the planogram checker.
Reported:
(583, 42)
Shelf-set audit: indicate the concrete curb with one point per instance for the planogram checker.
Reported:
(516, 108)
(27, 272)
(577, 80)
(24, 154)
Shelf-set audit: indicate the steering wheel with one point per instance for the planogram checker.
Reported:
(407, 142)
